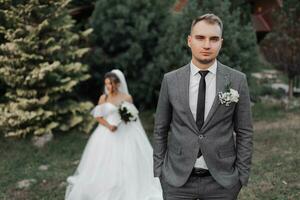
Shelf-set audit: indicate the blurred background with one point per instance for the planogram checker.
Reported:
(54, 54)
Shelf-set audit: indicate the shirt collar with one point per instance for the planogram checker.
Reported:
(195, 70)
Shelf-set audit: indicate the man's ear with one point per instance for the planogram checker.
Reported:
(189, 38)
(221, 41)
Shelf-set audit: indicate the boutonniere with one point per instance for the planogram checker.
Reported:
(230, 95)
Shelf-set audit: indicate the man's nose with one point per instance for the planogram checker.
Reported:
(206, 44)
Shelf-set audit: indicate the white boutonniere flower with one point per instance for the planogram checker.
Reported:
(229, 96)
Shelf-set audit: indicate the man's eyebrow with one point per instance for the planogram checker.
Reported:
(215, 36)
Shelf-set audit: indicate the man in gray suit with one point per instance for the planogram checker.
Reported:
(203, 126)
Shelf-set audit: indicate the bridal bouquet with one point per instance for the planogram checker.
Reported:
(128, 112)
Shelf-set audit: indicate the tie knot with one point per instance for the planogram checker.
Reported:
(203, 73)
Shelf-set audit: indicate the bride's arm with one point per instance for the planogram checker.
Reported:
(101, 120)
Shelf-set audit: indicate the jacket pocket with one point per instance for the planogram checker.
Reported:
(227, 152)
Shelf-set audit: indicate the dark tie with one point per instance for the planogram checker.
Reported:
(201, 103)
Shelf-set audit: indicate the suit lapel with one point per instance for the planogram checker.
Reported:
(222, 79)
(184, 87)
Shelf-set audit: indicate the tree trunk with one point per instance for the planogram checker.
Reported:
(297, 82)
(291, 87)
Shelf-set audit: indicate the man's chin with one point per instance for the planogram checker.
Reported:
(205, 61)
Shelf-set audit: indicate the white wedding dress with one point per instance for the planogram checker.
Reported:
(115, 165)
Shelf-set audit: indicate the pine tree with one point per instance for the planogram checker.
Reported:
(40, 67)
(126, 34)
(147, 39)
(239, 48)
(4, 25)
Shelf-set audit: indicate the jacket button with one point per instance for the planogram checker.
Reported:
(201, 136)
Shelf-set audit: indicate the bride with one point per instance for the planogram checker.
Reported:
(117, 161)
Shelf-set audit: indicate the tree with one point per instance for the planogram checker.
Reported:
(281, 47)
(148, 39)
(39, 65)
(239, 47)
(81, 10)
(126, 34)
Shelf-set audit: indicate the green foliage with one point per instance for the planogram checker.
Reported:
(281, 47)
(75, 3)
(40, 67)
(239, 46)
(81, 10)
(126, 36)
(146, 39)
(259, 90)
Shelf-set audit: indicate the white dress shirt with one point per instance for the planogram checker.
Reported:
(210, 80)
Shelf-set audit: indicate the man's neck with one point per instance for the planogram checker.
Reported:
(202, 66)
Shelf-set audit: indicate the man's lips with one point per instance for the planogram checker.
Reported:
(205, 53)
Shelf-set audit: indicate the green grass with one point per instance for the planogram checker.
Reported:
(274, 173)
(20, 160)
(275, 167)
(267, 112)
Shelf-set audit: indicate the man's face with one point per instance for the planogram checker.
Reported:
(205, 42)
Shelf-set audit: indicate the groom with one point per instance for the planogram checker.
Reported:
(203, 129)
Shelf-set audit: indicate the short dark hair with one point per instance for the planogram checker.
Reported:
(209, 18)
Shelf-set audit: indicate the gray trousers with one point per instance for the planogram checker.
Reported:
(199, 188)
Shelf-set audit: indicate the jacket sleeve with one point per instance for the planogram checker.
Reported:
(244, 131)
(163, 118)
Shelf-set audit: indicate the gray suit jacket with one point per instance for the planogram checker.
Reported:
(177, 139)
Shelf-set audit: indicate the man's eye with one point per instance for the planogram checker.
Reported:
(215, 39)
(200, 38)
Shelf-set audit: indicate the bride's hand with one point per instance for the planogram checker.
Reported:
(112, 128)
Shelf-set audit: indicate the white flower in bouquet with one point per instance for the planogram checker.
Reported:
(128, 112)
